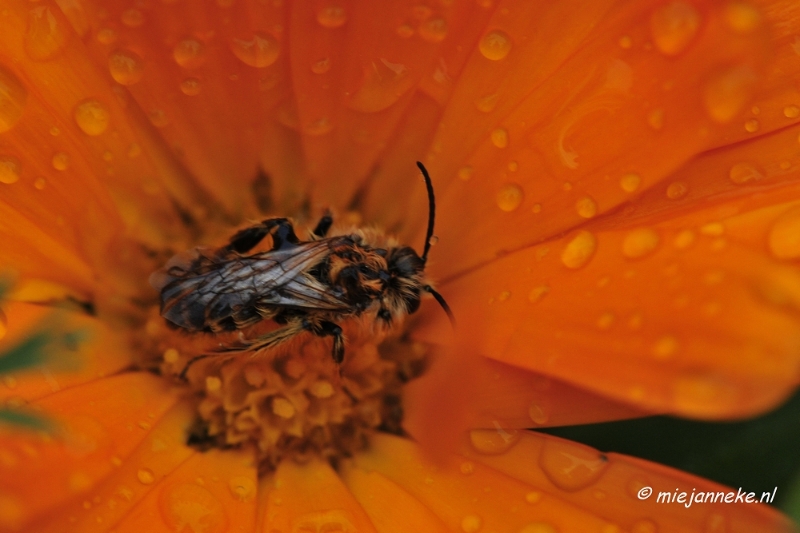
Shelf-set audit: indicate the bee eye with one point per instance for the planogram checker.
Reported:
(364, 269)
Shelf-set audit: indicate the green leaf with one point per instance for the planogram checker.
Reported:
(25, 420)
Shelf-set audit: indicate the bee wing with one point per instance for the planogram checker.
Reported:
(196, 297)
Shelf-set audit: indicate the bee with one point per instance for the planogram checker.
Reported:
(303, 286)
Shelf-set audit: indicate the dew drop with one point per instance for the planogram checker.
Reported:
(741, 17)
(189, 53)
(726, 93)
(536, 208)
(703, 393)
(242, 488)
(784, 235)
(10, 169)
(579, 250)
(665, 347)
(716, 523)
(605, 321)
(571, 466)
(513, 166)
(145, 476)
(537, 293)
(673, 26)
(493, 441)
(630, 182)
(13, 97)
(158, 118)
(744, 172)
(644, 526)
(684, 239)
(383, 83)
(433, 30)
(486, 104)
(134, 150)
(639, 243)
(509, 197)
(319, 127)
(751, 125)
(321, 66)
(499, 137)
(405, 31)
(191, 507)
(106, 36)
(260, 51)
(467, 468)
(533, 497)
(60, 161)
(791, 111)
(586, 207)
(676, 190)
(39, 183)
(538, 527)
(190, 86)
(625, 42)
(712, 229)
(655, 119)
(471, 524)
(132, 18)
(332, 17)
(495, 45)
(92, 117)
(538, 414)
(45, 36)
(126, 67)
(335, 520)
(466, 173)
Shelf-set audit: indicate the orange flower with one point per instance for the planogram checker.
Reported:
(617, 224)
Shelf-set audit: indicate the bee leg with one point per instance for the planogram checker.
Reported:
(324, 224)
(324, 328)
(245, 240)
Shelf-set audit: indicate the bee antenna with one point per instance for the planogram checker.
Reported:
(439, 298)
(431, 217)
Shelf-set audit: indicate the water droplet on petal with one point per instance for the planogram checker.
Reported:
(321, 66)
(495, 45)
(189, 53)
(537, 293)
(676, 190)
(712, 229)
(586, 207)
(405, 31)
(751, 125)
(509, 197)
(242, 488)
(319, 127)
(126, 67)
(106, 36)
(579, 250)
(605, 321)
(744, 172)
(493, 441)
(784, 235)
(727, 92)
(499, 137)
(486, 104)
(145, 476)
(383, 83)
(10, 169)
(332, 17)
(466, 173)
(644, 526)
(684, 239)
(538, 414)
(639, 242)
(471, 524)
(791, 111)
(191, 507)
(665, 347)
(39, 183)
(467, 467)
(60, 161)
(533, 497)
(190, 86)
(630, 182)
(717, 523)
(322, 521)
(742, 18)
(655, 119)
(571, 466)
(673, 26)
(703, 393)
(158, 118)
(46, 35)
(260, 51)
(433, 30)
(13, 97)
(538, 527)
(132, 18)
(92, 117)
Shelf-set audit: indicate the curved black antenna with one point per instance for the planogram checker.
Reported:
(431, 213)
(439, 298)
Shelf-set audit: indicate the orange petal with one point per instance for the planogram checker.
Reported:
(390, 508)
(211, 492)
(312, 497)
(683, 314)
(105, 424)
(102, 354)
(548, 142)
(613, 487)
(469, 497)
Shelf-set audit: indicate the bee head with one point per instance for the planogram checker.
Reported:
(405, 268)
(362, 274)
